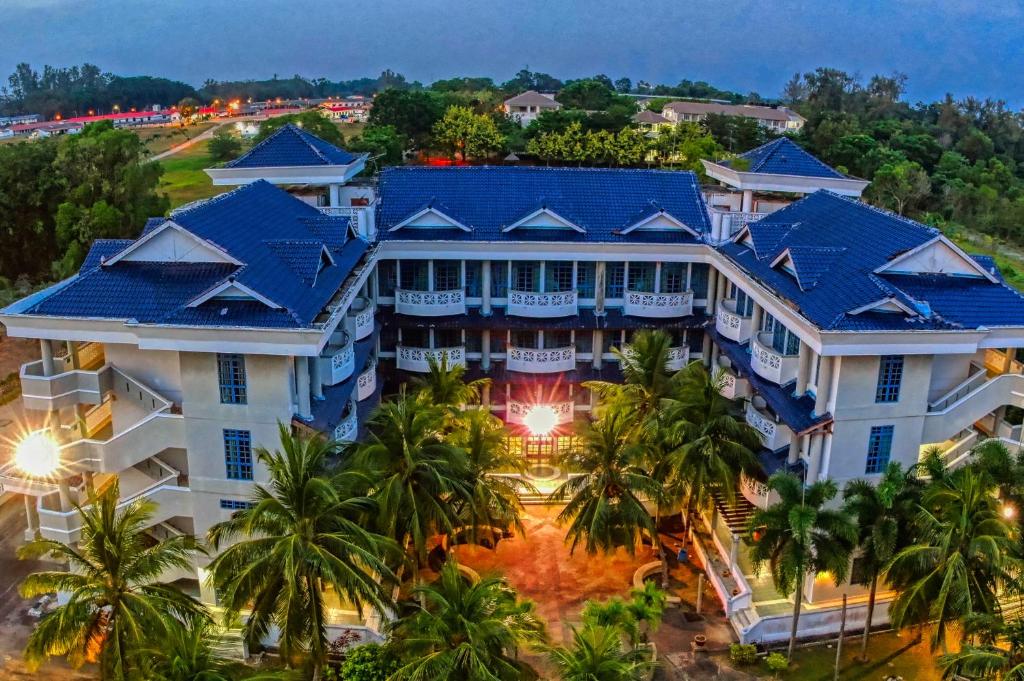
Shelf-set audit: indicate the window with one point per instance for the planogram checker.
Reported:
(783, 341)
(413, 275)
(447, 275)
(473, 278)
(499, 278)
(238, 454)
(879, 448)
(524, 276)
(744, 303)
(641, 277)
(615, 272)
(890, 374)
(387, 277)
(699, 280)
(231, 375)
(236, 504)
(585, 274)
(673, 277)
(559, 276)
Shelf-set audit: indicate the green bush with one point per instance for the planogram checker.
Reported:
(743, 653)
(369, 662)
(777, 662)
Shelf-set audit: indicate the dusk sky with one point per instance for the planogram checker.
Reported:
(959, 46)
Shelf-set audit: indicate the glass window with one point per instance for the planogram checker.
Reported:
(499, 278)
(413, 275)
(585, 274)
(447, 338)
(238, 454)
(611, 339)
(473, 341)
(673, 277)
(447, 275)
(559, 276)
(231, 375)
(890, 375)
(641, 277)
(615, 273)
(236, 504)
(473, 279)
(525, 276)
(744, 303)
(699, 279)
(416, 338)
(557, 338)
(524, 339)
(879, 448)
(585, 341)
(387, 277)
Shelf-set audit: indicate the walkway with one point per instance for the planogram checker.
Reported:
(205, 135)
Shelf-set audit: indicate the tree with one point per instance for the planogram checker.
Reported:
(605, 507)
(900, 186)
(224, 146)
(997, 653)
(304, 533)
(313, 122)
(798, 537)
(467, 134)
(466, 632)
(369, 662)
(382, 142)
(597, 654)
(623, 85)
(964, 554)
(884, 512)
(115, 601)
(444, 384)
(588, 94)
(412, 113)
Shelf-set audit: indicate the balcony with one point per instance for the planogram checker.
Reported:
(541, 361)
(757, 492)
(734, 386)
(730, 324)
(769, 363)
(366, 384)
(658, 305)
(542, 305)
(734, 221)
(68, 386)
(430, 303)
(417, 359)
(348, 428)
(678, 357)
(360, 318)
(773, 435)
(338, 360)
(517, 411)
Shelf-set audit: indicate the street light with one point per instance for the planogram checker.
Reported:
(37, 454)
(540, 419)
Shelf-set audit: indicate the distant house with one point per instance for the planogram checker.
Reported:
(130, 118)
(47, 128)
(779, 119)
(529, 105)
(21, 119)
(651, 122)
(349, 109)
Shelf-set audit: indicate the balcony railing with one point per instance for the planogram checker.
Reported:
(678, 357)
(338, 361)
(366, 384)
(769, 363)
(360, 316)
(773, 435)
(347, 430)
(978, 377)
(541, 361)
(658, 305)
(734, 221)
(730, 324)
(542, 305)
(517, 411)
(757, 492)
(733, 386)
(417, 359)
(430, 303)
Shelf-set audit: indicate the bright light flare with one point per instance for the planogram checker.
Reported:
(1009, 512)
(37, 454)
(540, 419)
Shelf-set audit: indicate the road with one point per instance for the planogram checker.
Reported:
(205, 135)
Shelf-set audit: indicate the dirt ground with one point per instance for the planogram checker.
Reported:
(14, 352)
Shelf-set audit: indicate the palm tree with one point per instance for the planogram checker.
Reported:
(465, 631)
(884, 512)
(606, 503)
(713, 444)
(303, 533)
(998, 654)
(597, 654)
(647, 381)
(444, 384)
(419, 476)
(964, 554)
(115, 601)
(798, 537)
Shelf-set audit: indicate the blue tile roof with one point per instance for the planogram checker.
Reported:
(836, 243)
(783, 156)
(278, 239)
(292, 146)
(487, 199)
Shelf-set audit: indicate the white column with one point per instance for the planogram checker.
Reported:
(712, 291)
(485, 349)
(706, 350)
(794, 450)
(599, 277)
(485, 287)
(46, 350)
(430, 274)
(824, 385)
(748, 201)
(833, 391)
(657, 277)
(598, 344)
(756, 315)
(716, 225)
(316, 379)
(73, 355)
(31, 516)
(64, 492)
(814, 467)
(335, 195)
(803, 369)
(302, 387)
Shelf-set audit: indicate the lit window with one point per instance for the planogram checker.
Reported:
(879, 448)
(890, 375)
(231, 374)
(238, 454)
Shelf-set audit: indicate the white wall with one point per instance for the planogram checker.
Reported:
(158, 369)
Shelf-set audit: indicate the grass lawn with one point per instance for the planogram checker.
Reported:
(1009, 258)
(350, 130)
(184, 180)
(160, 139)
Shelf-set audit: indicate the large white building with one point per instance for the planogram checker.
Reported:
(852, 336)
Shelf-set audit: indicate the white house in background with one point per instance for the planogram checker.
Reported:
(527, 106)
(779, 118)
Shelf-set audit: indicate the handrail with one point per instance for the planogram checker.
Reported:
(963, 389)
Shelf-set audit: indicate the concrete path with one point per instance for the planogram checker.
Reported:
(205, 135)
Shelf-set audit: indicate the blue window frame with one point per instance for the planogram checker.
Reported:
(699, 280)
(236, 504)
(238, 454)
(879, 449)
(744, 303)
(890, 375)
(586, 272)
(231, 374)
(615, 274)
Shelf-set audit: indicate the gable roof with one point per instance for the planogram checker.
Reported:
(534, 98)
(783, 156)
(604, 203)
(292, 146)
(287, 262)
(836, 247)
(650, 117)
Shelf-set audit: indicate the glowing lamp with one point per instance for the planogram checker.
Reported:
(37, 455)
(1009, 512)
(540, 419)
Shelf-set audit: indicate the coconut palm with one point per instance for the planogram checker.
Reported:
(445, 385)
(465, 631)
(798, 537)
(646, 379)
(712, 444)
(965, 552)
(303, 533)
(998, 653)
(419, 476)
(883, 512)
(597, 653)
(115, 600)
(605, 506)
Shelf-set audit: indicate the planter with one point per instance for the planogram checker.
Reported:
(700, 640)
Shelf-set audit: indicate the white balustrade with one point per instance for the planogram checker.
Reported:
(658, 305)
(757, 492)
(517, 411)
(430, 303)
(773, 435)
(347, 430)
(731, 325)
(417, 359)
(542, 305)
(361, 318)
(542, 360)
(366, 384)
(769, 363)
(338, 362)
(678, 357)
(734, 387)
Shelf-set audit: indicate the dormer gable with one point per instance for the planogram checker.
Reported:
(806, 264)
(543, 218)
(659, 221)
(171, 242)
(890, 305)
(232, 289)
(430, 217)
(936, 256)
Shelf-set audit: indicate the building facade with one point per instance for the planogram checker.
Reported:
(779, 119)
(849, 336)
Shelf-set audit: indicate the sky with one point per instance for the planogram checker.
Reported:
(960, 46)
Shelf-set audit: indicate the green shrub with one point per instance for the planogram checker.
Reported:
(777, 662)
(743, 653)
(369, 662)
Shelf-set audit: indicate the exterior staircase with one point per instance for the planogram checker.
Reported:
(736, 513)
